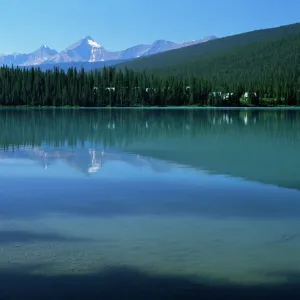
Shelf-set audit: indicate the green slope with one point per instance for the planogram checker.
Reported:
(249, 65)
(198, 57)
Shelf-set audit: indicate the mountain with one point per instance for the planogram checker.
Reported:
(13, 59)
(247, 49)
(195, 42)
(34, 58)
(161, 46)
(134, 52)
(87, 50)
(39, 56)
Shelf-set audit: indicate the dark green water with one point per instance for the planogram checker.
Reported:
(149, 204)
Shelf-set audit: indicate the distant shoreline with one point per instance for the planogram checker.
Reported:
(24, 107)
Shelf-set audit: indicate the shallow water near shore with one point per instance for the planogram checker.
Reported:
(210, 197)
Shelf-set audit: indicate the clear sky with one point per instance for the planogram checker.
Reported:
(118, 24)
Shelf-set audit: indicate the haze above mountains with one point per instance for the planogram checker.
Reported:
(89, 51)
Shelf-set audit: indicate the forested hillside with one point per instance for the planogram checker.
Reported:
(195, 54)
(265, 68)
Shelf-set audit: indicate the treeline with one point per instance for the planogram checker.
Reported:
(115, 87)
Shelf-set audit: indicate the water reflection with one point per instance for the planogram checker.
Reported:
(257, 145)
(197, 193)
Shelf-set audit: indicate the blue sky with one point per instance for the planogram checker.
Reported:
(117, 24)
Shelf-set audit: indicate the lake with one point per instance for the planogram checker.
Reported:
(149, 203)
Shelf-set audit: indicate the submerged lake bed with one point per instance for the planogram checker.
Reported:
(177, 202)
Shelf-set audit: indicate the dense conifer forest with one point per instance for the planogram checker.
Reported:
(123, 88)
(259, 68)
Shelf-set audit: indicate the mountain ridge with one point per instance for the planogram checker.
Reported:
(88, 50)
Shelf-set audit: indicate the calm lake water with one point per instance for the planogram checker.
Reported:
(150, 204)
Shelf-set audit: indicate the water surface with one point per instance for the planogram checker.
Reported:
(193, 201)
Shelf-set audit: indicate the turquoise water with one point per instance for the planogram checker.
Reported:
(149, 204)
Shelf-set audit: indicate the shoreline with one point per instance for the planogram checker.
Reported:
(154, 107)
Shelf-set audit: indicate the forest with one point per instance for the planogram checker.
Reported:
(111, 87)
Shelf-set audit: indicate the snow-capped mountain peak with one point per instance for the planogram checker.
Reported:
(84, 50)
(44, 46)
(94, 44)
(91, 42)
